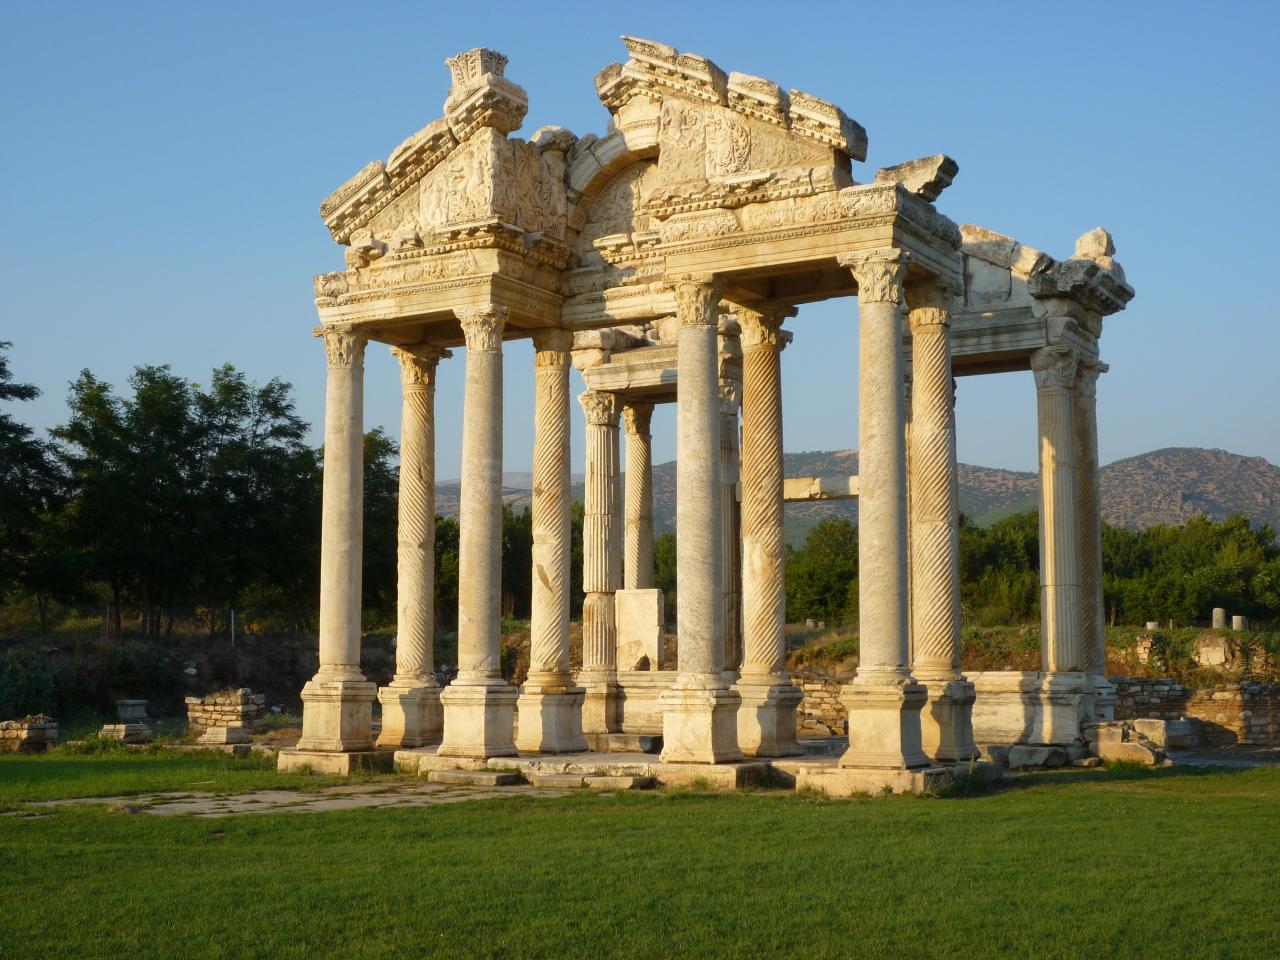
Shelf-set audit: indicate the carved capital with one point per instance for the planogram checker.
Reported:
(762, 324)
(482, 326)
(929, 319)
(601, 408)
(880, 276)
(698, 300)
(1054, 368)
(553, 348)
(345, 348)
(418, 363)
(638, 416)
(1087, 384)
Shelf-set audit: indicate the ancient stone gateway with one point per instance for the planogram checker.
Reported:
(663, 260)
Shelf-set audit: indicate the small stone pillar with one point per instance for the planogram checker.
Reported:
(132, 726)
(767, 715)
(1219, 618)
(1239, 623)
(479, 706)
(946, 722)
(601, 565)
(637, 569)
(699, 723)
(1093, 622)
(550, 705)
(884, 701)
(411, 712)
(337, 704)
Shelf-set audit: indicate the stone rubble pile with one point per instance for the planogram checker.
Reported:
(28, 735)
(227, 716)
(1135, 741)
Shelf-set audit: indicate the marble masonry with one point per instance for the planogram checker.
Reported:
(666, 260)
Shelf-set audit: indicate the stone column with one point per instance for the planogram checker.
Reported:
(411, 714)
(337, 703)
(601, 565)
(884, 701)
(946, 722)
(699, 711)
(550, 705)
(479, 706)
(730, 527)
(767, 716)
(638, 568)
(1063, 694)
(1088, 516)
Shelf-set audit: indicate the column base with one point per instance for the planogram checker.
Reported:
(337, 715)
(600, 706)
(225, 736)
(946, 721)
(479, 719)
(1030, 708)
(699, 723)
(411, 713)
(884, 723)
(767, 717)
(550, 718)
(1104, 698)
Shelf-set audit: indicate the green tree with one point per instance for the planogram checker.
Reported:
(819, 574)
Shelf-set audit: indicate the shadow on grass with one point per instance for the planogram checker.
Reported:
(972, 787)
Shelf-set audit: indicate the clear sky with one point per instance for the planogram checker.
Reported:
(162, 165)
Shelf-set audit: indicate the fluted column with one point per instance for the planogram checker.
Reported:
(767, 717)
(479, 706)
(601, 564)
(884, 701)
(550, 705)
(411, 714)
(1088, 517)
(338, 702)
(947, 720)
(638, 568)
(699, 722)
(730, 526)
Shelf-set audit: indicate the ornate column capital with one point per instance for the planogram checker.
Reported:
(762, 324)
(418, 363)
(600, 407)
(482, 326)
(1089, 371)
(929, 319)
(1055, 367)
(344, 347)
(638, 415)
(698, 299)
(880, 274)
(553, 347)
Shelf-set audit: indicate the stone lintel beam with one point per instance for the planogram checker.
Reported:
(806, 489)
(925, 177)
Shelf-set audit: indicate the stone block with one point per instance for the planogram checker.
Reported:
(131, 711)
(640, 622)
(565, 781)
(1129, 751)
(333, 763)
(1022, 757)
(715, 776)
(479, 720)
(411, 714)
(884, 725)
(620, 783)
(475, 778)
(1154, 732)
(128, 732)
(337, 715)
(853, 782)
(550, 720)
(699, 725)
(221, 736)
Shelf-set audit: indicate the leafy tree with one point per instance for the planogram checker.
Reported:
(819, 575)
(381, 520)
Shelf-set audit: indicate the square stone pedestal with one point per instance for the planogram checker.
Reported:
(479, 719)
(946, 721)
(1042, 709)
(1103, 708)
(128, 732)
(411, 714)
(600, 704)
(337, 715)
(699, 725)
(767, 716)
(884, 724)
(223, 736)
(550, 719)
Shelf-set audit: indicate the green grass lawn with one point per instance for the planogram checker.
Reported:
(1177, 863)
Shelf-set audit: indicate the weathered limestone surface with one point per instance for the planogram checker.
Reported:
(1089, 519)
(640, 621)
(132, 726)
(226, 716)
(29, 735)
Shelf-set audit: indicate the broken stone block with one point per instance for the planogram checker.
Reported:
(1128, 752)
(1023, 756)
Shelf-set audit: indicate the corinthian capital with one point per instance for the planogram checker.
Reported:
(482, 326)
(345, 348)
(880, 275)
(638, 416)
(553, 348)
(1090, 370)
(418, 363)
(762, 324)
(601, 408)
(1054, 367)
(929, 318)
(698, 300)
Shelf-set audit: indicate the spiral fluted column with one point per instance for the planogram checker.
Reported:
(1088, 517)
(411, 713)
(550, 705)
(638, 566)
(730, 525)
(601, 564)
(698, 719)
(767, 717)
(884, 701)
(479, 706)
(946, 722)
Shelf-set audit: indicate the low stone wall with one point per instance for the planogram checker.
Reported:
(821, 713)
(28, 735)
(1245, 712)
(226, 708)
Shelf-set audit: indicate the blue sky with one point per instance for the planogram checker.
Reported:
(162, 165)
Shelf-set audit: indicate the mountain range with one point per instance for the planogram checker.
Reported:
(1161, 487)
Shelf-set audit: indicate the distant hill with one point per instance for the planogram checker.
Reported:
(1161, 487)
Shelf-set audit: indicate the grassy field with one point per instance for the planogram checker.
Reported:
(1116, 864)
